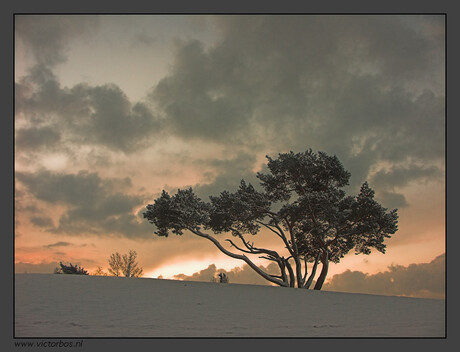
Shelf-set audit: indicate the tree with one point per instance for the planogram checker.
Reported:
(99, 272)
(70, 269)
(125, 265)
(115, 264)
(302, 202)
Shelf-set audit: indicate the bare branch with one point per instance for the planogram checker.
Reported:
(270, 228)
(262, 273)
(255, 250)
(240, 249)
(268, 257)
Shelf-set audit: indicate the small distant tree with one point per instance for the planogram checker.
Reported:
(99, 272)
(115, 264)
(125, 265)
(70, 269)
(130, 266)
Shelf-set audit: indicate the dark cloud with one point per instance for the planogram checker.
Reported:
(42, 221)
(39, 93)
(243, 275)
(34, 138)
(392, 200)
(115, 122)
(399, 176)
(94, 205)
(47, 37)
(417, 280)
(82, 115)
(58, 244)
(226, 174)
(367, 88)
(192, 100)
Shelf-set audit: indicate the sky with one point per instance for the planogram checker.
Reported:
(112, 109)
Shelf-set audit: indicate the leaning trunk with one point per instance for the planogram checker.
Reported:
(313, 273)
(322, 276)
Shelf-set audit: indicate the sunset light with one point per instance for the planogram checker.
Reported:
(112, 110)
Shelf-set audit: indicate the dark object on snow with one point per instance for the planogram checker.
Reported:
(222, 278)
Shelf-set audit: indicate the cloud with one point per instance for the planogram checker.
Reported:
(424, 280)
(80, 115)
(226, 174)
(58, 244)
(243, 275)
(144, 39)
(34, 138)
(48, 37)
(417, 280)
(93, 205)
(399, 176)
(42, 221)
(392, 200)
(367, 88)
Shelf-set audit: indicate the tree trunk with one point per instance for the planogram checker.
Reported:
(322, 276)
(291, 274)
(313, 273)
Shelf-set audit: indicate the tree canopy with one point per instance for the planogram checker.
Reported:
(301, 201)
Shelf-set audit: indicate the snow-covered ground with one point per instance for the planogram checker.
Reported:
(48, 305)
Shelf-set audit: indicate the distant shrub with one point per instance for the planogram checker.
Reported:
(70, 269)
(99, 272)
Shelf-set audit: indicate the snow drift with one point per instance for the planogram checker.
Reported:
(48, 305)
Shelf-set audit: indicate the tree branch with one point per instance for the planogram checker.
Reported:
(240, 249)
(252, 249)
(270, 228)
(266, 276)
(280, 234)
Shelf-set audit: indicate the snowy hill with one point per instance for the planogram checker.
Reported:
(91, 306)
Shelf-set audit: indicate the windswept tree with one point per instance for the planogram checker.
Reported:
(302, 202)
(124, 265)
